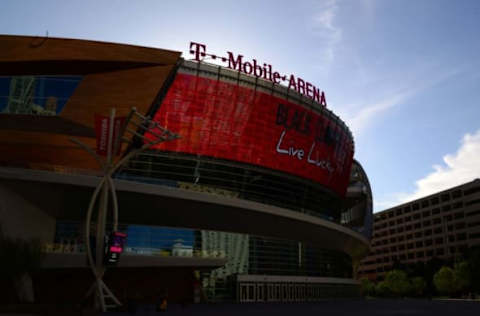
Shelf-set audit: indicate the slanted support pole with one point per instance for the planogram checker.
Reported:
(106, 188)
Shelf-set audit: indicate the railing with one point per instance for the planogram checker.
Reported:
(234, 180)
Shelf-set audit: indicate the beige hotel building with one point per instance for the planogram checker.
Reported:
(440, 225)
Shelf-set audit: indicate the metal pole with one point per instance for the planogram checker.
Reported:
(102, 214)
(88, 222)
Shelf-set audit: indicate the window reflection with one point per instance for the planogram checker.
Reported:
(36, 95)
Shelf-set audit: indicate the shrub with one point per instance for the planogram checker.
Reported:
(382, 290)
(397, 283)
(367, 287)
(417, 286)
(444, 280)
(462, 276)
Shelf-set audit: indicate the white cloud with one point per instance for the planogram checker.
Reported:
(360, 115)
(363, 117)
(458, 168)
(324, 27)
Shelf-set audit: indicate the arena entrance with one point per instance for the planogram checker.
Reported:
(292, 289)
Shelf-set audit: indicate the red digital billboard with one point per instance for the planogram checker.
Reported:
(228, 121)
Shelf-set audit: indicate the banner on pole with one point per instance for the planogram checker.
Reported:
(102, 126)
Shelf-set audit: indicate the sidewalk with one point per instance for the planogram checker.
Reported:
(358, 307)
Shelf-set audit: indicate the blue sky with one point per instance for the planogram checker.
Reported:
(404, 75)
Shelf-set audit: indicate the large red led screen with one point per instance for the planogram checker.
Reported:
(228, 121)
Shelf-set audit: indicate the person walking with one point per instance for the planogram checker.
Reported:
(163, 302)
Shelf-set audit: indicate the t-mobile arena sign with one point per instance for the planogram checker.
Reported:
(264, 71)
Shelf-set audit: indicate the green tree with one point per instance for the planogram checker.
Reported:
(462, 276)
(444, 280)
(367, 287)
(473, 257)
(382, 290)
(417, 286)
(397, 282)
(431, 267)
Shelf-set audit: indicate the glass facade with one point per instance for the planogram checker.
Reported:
(235, 180)
(36, 95)
(249, 255)
(245, 254)
(270, 256)
(159, 240)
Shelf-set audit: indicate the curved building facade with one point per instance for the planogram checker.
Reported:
(259, 199)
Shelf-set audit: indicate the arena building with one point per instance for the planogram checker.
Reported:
(259, 199)
(442, 225)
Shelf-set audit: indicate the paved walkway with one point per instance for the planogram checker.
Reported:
(374, 307)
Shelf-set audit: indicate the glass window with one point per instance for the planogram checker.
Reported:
(456, 194)
(472, 190)
(36, 95)
(477, 201)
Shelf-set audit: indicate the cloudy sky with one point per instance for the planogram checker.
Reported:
(404, 75)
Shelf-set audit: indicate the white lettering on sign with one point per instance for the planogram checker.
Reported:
(104, 132)
(298, 153)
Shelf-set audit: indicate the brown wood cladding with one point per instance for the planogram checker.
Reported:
(27, 149)
(46, 124)
(127, 86)
(98, 93)
(30, 48)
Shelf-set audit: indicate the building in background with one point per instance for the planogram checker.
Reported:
(442, 225)
(260, 198)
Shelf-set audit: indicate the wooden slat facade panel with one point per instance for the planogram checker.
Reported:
(98, 93)
(30, 48)
(33, 149)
